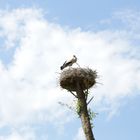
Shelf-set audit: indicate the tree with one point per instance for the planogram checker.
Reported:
(77, 81)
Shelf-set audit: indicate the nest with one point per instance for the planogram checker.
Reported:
(84, 76)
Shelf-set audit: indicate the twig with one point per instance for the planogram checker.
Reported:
(99, 83)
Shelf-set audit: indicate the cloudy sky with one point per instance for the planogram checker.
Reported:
(35, 39)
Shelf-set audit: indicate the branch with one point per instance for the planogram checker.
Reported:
(90, 100)
(86, 94)
(73, 94)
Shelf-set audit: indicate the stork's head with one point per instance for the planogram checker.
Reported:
(74, 58)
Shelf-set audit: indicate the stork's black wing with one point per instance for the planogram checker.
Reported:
(63, 66)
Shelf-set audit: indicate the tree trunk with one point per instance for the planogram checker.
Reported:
(83, 112)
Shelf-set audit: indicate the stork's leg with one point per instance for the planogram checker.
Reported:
(78, 64)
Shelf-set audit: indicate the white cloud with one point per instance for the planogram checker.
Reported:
(130, 18)
(24, 133)
(30, 89)
(80, 135)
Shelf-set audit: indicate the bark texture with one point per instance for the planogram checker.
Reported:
(83, 113)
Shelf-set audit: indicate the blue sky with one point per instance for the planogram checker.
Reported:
(37, 36)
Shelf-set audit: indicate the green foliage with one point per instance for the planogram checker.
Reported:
(92, 115)
(78, 108)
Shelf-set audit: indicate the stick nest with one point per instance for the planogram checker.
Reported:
(84, 76)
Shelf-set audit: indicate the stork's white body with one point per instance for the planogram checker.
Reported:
(69, 62)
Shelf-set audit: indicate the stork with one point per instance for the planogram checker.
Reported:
(69, 62)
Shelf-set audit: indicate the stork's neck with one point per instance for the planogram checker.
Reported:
(75, 58)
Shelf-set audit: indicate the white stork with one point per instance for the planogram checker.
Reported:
(69, 62)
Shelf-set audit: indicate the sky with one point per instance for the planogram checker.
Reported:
(36, 37)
